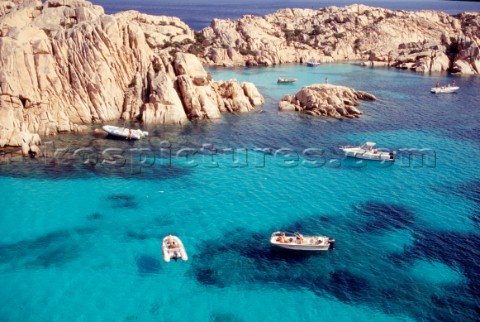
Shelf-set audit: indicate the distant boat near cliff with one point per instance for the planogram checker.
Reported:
(444, 89)
(286, 80)
(124, 133)
(313, 63)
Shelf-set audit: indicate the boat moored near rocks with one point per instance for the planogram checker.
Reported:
(444, 89)
(313, 63)
(286, 80)
(124, 133)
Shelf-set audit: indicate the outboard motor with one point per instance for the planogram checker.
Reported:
(332, 243)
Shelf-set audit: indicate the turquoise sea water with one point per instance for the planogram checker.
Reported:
(81, 242)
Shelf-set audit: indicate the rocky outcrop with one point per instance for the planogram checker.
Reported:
(65, 64)
(424, 41)
(326, 100)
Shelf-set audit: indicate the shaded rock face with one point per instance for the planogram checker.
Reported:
(425, 41)
(325, 100)
(65, 63)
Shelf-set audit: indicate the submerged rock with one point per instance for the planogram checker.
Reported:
(325, 100)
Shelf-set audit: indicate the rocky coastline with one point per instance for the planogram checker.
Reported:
(424, 41)
(65, 64)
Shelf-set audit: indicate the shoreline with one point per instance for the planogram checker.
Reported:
(87, 67)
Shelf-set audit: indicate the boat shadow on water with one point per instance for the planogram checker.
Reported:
(282, 254)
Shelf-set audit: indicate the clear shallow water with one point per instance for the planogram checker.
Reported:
(83, 242)
(199, 13)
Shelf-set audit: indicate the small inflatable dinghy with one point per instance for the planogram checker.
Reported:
(172, 247)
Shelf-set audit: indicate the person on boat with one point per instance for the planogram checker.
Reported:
(300, 239)
(129, 136)
(283, 238)
(454, 83)
(437, 85)
(173, 245)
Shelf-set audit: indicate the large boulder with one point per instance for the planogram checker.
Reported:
(326, 100)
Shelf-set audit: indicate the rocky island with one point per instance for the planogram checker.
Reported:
(424, 41)
(65, 64)
(326, 100)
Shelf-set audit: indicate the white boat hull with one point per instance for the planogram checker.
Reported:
(366, 155)
(367, 152)
(175, 253)
(444, 90)
(125, 133)
(286, 81)
(309, 243)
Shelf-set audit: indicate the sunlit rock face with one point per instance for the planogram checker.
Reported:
(65, 64)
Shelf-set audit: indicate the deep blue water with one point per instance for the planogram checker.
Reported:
(199, 13)
(82, 241)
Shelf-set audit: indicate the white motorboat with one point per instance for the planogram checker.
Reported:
(172, 247)
(298, 242)
(366, 151)
(444, 89)
(286, 80)
(125, 133)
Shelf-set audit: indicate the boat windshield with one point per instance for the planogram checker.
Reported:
(368, 145)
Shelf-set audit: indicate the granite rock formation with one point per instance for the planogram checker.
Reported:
(65, 64)
(424, 41)
(326, 100)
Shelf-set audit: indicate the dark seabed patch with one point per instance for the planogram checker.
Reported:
(163, 220)
(123, 201)
(457, 250)
(137, 235)
(224, 317)
(248, 260)
(53, 249)
(147, 264)
(257, 262)
(60, 170)
(382, 216)
(346, 286)
(95, 216)
(143, 234)
(56, 256)
(471, 190)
